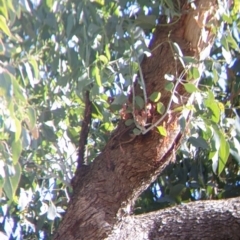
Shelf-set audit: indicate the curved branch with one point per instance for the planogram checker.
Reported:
(84, 130)
(216, 219)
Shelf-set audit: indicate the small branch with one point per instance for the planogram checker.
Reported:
(84, 129)
(166, 111)
(143, 86)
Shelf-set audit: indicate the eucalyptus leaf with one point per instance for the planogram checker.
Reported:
(139, 102)
(155, 96)
(162, 130)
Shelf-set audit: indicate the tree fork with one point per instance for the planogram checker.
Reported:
(105, 194)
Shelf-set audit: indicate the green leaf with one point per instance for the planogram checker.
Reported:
(49, 133)
(18, 129)
(169, 86)
(49, 3)
(194, 72)
(232, 42)
(155, 96)
(16, 150)
(215, 76)
(187, 60)
(108, 126)
(103, 59)
(2, 47)
(1, 183)
(18, 92)
(160, 108)
(15, 179)
(3, 8)
(7, 187)
(4, 26)
(32, 117)
(226, 18)
(100, 2)
(107, 52)
(139, 102)
(96, 113)
(34, 64)
(162, 130)
(213, 106)
(220, 150)
(223, 153)
(224, 43)
(6, 86)
(119, 100)
(96, 74)
(182, 122)
(129, 122)
(190, 88)
(136, 131)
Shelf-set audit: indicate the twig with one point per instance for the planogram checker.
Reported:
(84, 129)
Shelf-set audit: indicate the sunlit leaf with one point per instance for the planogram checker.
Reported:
(107, 51)
(15, 179)
(96, 74)
(190, 88)
(160, 108)
(214, 108)
(96, 113)
(155, 96)
(4, 26)
(16, 150)
(103, 58)
(101, 2)
(162, 130)
(49, 3)
(223, 153)
(18, 129)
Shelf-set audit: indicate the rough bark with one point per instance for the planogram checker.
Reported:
(197, 220)
(105, 191)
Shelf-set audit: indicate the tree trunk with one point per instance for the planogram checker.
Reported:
(105, 191)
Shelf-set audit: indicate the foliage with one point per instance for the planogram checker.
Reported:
(51, 52)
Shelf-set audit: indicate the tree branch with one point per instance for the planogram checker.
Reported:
(216, 219)
(84, 130)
